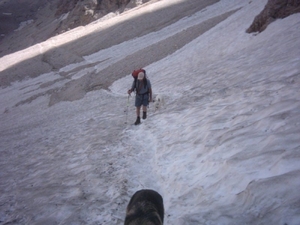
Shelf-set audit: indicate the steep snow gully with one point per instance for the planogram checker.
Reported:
(224, 147)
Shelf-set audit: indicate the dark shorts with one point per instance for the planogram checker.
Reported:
(141, 100)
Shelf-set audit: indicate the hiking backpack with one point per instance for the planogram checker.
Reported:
(135, 73)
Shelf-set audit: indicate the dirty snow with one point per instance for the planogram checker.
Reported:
(223, 149)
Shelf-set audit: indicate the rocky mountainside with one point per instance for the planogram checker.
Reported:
(46, 18)
(78, 13)
(25, 23)
(275, 9)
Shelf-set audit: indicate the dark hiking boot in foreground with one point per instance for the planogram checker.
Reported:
(144, 115)
(138, 121)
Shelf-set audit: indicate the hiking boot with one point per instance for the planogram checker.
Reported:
(138, 121)
(144, 115)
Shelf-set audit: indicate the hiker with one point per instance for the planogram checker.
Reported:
(142, 86)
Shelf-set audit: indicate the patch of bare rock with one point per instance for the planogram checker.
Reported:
(274, 9)
(45, 19)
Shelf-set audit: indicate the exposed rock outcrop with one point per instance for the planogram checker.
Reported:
(274, 9)
(44, 19)
(82, 12)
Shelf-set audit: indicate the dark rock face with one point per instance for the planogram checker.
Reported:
(275, 9)
(13, 12)
(46, 18)
(79, 12)
(82, 12)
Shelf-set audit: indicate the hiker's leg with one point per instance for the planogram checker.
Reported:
(138, 104)
(144, 108)
(145, 105)
(138, 111)
(144, 112)
(138, 118)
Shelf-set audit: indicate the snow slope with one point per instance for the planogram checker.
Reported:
(223, 149)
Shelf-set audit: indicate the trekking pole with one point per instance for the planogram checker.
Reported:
(127, 109)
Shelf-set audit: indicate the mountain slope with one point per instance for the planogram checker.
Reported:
(222, 149)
